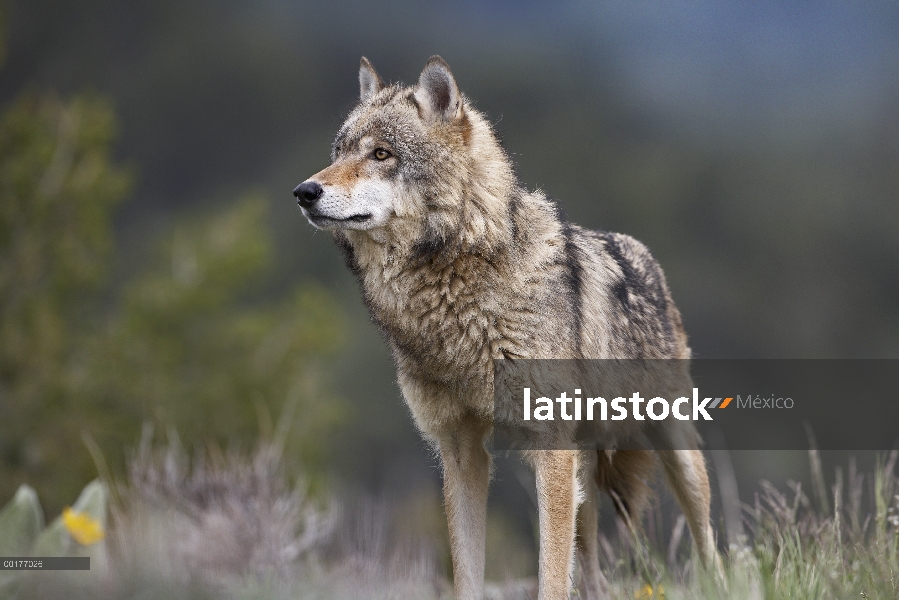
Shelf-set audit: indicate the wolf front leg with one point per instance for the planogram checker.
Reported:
(466, 477)
(593, 581)
(557, 502)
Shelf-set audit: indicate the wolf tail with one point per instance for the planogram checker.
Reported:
(624, 475)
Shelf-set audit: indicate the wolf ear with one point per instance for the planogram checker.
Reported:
(437, 93)
(369, 81)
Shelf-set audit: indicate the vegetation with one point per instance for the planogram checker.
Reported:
(57, 188)
(186, 342)
(229, 525)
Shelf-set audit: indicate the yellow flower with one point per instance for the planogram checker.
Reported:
(85, 529)
(646, 592)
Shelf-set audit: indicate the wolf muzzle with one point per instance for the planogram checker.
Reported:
(308, 193)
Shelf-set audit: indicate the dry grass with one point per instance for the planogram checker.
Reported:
(224, 525)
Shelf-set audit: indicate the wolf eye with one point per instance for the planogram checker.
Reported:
(381, 154)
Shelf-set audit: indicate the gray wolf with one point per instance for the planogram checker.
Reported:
(459, 264)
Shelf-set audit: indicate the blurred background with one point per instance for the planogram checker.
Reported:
(156, 269)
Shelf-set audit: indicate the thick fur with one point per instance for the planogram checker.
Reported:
(460, 265)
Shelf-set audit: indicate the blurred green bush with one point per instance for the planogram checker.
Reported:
(187, 343)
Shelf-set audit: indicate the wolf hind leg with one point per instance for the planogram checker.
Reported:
(677, 445)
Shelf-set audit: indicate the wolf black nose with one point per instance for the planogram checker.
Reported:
(307, 193)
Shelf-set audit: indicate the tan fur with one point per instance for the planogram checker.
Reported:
(459, 265)
(344, 176)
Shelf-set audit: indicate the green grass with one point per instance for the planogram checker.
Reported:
(792, 550)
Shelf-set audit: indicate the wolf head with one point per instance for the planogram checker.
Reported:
(414, 162)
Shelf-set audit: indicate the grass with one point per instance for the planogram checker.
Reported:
(792, 548)
(225, 525)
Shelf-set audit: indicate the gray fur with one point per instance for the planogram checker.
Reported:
(459, 264)
(369, 81)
